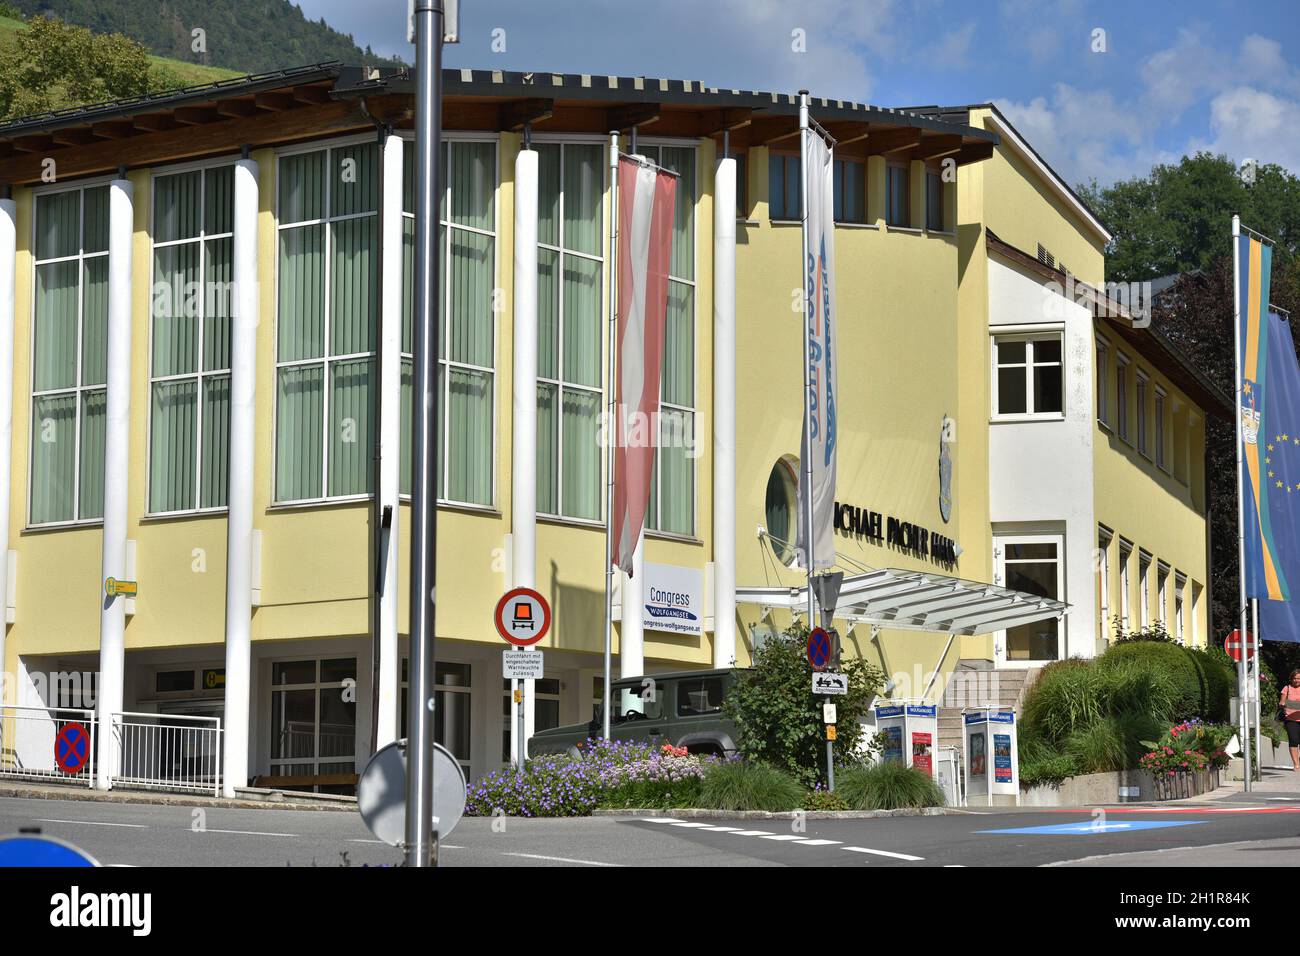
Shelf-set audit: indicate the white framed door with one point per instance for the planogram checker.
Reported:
(1034, 564)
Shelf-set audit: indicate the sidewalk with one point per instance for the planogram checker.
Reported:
(248, 798)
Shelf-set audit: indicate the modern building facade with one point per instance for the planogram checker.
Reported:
(208, 300)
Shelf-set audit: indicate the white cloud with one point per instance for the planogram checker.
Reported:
(952, 50)
(1251, 123)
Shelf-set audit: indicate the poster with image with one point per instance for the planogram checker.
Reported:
(1002, 758)
(922, 757)
(977, 768)
(893, 743)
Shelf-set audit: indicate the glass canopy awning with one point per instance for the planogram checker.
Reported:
(920, 601)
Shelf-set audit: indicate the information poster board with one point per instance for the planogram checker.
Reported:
(992, 762)
(912, 731)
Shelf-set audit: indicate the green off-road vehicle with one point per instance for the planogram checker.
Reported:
(682, 708)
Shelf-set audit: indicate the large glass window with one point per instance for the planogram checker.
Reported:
(546, 710)
(672, 484)
(1143, 391)
(189, 414)
(466, 320)
(313, 717)
(933, 201)
(1028, 377)
(570, 371)
(70, 356)
(328, 288)
(1121, 396)
(452, 691)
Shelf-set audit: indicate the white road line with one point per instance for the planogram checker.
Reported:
(785, 837)
(96, 823)
(751, 832)
(693, 825)
(560, 859)
(723, 829)
(821, 843)
(658, 820)
(245, 832)
(896, 856)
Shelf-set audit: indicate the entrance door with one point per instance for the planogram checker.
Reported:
(1030, 563)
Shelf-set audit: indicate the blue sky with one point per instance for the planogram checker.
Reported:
(1172, 78)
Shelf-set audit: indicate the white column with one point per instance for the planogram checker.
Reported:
(112, 617)
(390, 436)
(523, 501)
(8, 249)
(631, 635)
(724, 413)
(239, 525)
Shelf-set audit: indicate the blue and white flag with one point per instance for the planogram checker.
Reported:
(819, 284)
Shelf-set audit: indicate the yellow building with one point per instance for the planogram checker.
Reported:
(210, 391)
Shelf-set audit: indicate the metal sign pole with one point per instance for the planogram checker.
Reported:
(421, 841)
(1241, 523)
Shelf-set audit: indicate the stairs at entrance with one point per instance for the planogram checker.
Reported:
(975, 686)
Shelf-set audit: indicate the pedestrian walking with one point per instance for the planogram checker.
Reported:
(1289, 702)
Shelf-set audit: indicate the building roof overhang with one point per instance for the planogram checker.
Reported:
(287, 106)
(920, 601)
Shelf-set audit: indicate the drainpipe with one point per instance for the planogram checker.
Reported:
(724, 408)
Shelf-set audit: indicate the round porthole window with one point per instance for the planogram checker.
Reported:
(780, 509)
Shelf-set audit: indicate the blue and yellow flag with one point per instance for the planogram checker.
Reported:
(1270, 427)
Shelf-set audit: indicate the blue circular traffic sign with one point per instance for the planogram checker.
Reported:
(28, 850)
(819, 648)
(72, 748)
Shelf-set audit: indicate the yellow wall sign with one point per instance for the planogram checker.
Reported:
(113, 587)
(830, 731)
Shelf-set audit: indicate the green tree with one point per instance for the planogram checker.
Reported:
(1177, 218)
(779, 719)
(52, 65)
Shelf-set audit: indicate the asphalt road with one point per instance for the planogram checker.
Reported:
(1236, 832)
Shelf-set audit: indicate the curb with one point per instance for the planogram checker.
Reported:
(164, 800)
(695, 814)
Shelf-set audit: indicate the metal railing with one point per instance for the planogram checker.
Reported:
(29, 741)
(168, 751)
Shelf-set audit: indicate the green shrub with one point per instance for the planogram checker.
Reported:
(749, 785)
(1201, 685)
(1049, 769)
(823, 800)
(889, 785)
(653, 795)
(779, 719)
(1221, 679)
(1066, 697)
(1113, 743)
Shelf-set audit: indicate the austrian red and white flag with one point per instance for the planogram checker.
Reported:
(645, 243)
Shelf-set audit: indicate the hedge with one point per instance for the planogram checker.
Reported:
(1203, 682)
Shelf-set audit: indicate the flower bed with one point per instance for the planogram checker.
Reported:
(1186, 760)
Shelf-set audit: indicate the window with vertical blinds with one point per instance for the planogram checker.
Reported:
(466, 320)
(70, 356)
(570, 370)
(328, 309)
(189, 408)
(672, 485)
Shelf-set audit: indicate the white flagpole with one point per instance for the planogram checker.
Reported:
(809, 549)
(611, 432)
(1243, 734)
(1258, 706)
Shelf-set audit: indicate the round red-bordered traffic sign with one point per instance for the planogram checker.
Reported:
(1232, 644)
(72, 748)
(522, 617)
(819, 648)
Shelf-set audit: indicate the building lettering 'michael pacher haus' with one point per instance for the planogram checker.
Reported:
(226, 466)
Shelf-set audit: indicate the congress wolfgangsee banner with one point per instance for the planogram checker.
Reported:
(1270, 433)
(819, 284)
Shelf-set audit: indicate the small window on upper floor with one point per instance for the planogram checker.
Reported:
(1027, 376)
(850, 191)
(933, 201)
(742, 186)
(783, 187)
(899, 196)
